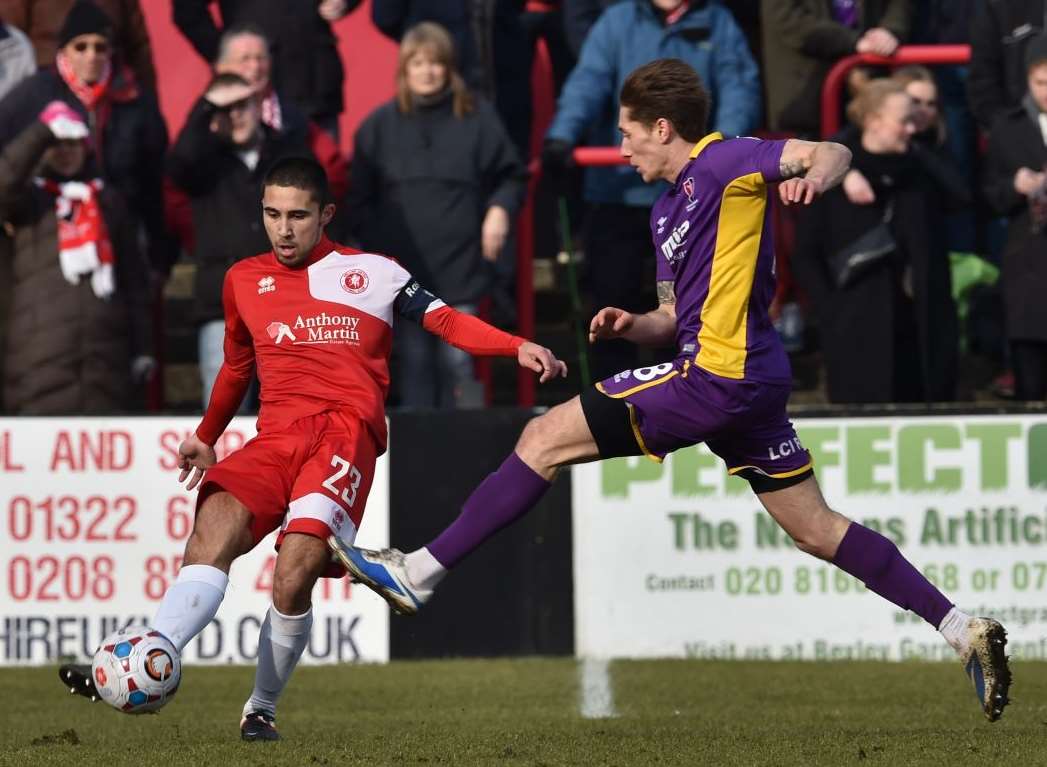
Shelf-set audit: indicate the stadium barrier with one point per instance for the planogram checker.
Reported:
(625, 558)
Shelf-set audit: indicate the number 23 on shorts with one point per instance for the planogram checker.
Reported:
(351, 485)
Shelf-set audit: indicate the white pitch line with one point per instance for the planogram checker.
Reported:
(597, 696)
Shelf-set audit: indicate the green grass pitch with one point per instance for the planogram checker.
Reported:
(526, 712)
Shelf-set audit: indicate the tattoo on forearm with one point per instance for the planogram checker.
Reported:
(791, 169)
(666, 292)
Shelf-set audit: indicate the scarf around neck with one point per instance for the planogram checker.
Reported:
(84, 247)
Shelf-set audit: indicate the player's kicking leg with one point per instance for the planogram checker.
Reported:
(406, 581)
(285, 632)
(221, 533)
(875, 560)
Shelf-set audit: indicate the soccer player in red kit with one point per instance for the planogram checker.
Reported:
(315, 318)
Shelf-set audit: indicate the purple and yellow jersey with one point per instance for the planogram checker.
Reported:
(713, 236)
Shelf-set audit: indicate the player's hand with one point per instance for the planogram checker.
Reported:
(493, 232)
(540, 360)
(610, 322)
(858, 189)
(194, 458)
(799, 190)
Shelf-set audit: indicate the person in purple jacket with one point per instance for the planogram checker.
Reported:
(727, 386)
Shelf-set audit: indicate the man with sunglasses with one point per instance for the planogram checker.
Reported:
(219, 160)
(127, 131)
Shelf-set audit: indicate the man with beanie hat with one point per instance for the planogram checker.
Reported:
(127, 130)
(1016, 187)
(42, 20)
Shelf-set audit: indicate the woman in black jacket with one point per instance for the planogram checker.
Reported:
(435, 182)
(871, 254)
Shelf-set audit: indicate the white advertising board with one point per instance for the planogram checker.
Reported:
(93, 524)
(680, 560)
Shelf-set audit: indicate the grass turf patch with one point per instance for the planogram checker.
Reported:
(526, 712)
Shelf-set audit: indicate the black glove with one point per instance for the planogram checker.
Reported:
(557, 157)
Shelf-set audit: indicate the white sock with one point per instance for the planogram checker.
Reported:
(281, 642)
(423, 569)
(190, 603)
(954, 629)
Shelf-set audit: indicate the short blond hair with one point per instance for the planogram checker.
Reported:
(870, 99)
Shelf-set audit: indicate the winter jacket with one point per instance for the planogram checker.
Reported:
(1015, 142)
(226, 199)
(905, 295)
(133, 146)
(996, 77)
(42, 20)
(420, 185)
(629, 35)
(306, 63)
(68, 352)
(801, 41)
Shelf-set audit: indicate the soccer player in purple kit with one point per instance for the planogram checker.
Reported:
(728, 385)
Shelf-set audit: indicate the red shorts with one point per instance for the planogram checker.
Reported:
(313, 477)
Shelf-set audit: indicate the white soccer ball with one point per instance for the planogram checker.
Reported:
(136, 670)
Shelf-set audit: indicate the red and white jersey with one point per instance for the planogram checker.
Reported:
(320, 334)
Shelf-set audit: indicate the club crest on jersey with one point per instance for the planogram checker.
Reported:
(355, 281)
(278, 331)
(266, 285)
(688, 189)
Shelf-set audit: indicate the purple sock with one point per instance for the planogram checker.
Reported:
(502, 498)
(875, 561)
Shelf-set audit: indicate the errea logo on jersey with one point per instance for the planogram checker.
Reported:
(266, 285)
(675, 239)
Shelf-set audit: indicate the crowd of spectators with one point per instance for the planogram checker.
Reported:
(98, 202)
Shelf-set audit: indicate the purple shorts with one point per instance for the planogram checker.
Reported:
(677, 404)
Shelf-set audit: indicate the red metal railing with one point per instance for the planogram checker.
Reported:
(832, 89)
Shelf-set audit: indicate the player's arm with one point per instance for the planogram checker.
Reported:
(655, 328)
(196, 454)
(474, 335)
(809, 168)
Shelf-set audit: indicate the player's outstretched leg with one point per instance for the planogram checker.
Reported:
(284, 634)
(221, 533)
(406, 581)
(876, 561)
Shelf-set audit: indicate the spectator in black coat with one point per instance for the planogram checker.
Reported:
(1000, 31)
(435, 182)
(887, 319)
(306, 65)
(127, 129)
(219, 160)
(1016, 186)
